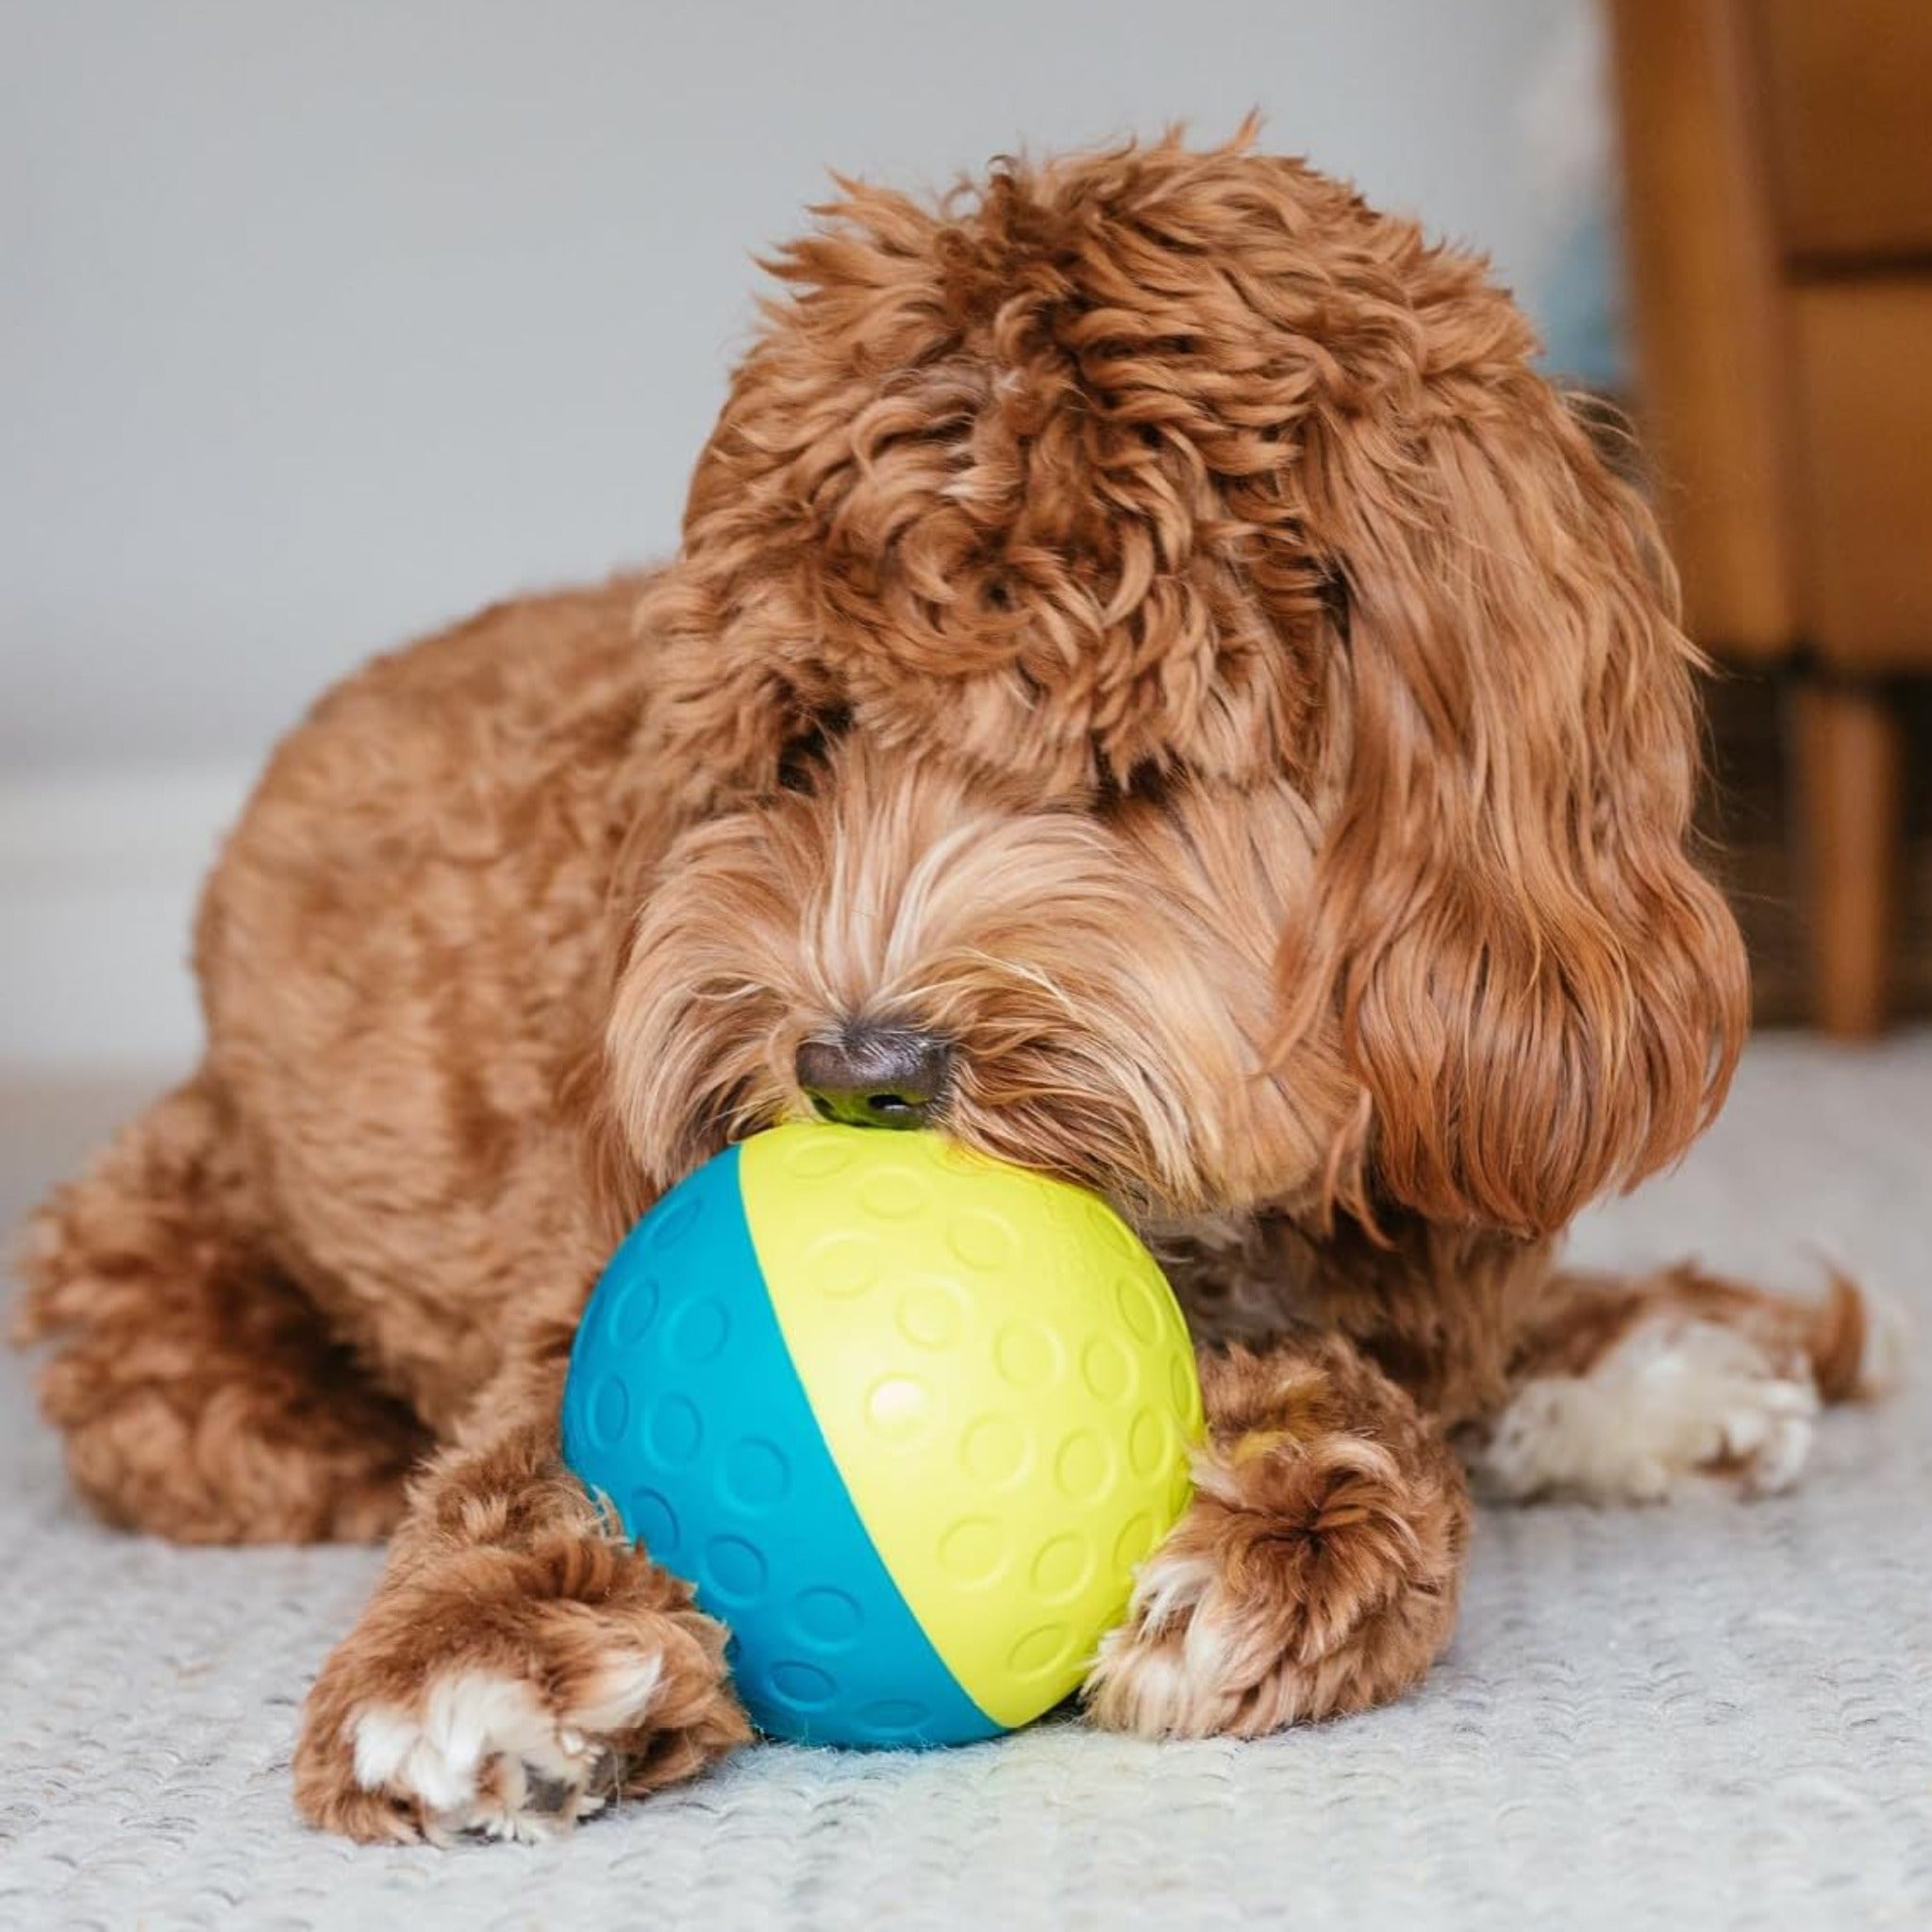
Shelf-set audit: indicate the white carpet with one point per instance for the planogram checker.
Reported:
(1706, 1716)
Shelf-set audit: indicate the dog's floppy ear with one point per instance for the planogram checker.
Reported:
(731, 703)
(1539, 992)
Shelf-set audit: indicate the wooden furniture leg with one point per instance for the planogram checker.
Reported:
(1850, 768)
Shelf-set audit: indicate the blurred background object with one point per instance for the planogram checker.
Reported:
(1777, 161)
(325, 326)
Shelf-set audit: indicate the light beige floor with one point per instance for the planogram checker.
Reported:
(1705, 1716)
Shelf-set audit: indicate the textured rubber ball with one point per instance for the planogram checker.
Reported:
(907, 1418)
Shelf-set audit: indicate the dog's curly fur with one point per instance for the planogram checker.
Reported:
(1143, 620)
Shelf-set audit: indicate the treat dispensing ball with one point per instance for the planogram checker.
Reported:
(905, 1417)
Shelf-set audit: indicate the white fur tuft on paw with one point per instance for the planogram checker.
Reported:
(1672, 1399)
(1142, 1679)
(482, 1752)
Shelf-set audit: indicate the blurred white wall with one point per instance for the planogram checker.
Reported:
(323, 324)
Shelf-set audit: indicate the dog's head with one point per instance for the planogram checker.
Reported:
(1156, 683)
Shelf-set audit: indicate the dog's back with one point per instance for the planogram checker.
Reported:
(397, 951)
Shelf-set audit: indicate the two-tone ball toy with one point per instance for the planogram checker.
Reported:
(905, 1417)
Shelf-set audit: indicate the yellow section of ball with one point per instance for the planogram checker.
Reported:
(1003, 1377)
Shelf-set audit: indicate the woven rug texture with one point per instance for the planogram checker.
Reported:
(1711, 1714)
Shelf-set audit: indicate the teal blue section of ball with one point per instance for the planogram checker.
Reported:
(684, 1412)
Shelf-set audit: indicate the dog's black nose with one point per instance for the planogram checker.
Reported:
(875, 1076)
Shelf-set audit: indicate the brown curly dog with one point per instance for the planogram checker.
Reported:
(1154, 684)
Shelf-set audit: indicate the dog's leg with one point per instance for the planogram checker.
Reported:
(1317, 1570)
(201, 1395)
(1622, 1387)
(520, 1662)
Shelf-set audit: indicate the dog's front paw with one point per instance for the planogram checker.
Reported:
(1306, 1580)
(509, 1694)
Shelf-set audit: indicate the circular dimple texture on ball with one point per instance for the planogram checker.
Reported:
(895, 1194)
(828, 1618)
(994, 1451)
(756, 1475)
(1101, 1223)
(1104, 1367)
(1040, 1651)
(674, 1431)
(652, 1521)
(1027, 1356)
(1061, 1569)
(1147, 1443)
(698, 1331)
(978, 1387)
(634, 1310)
(1084, 1467)
(1176, 1324)
(609, 1410)
(843, 1265)
(802, 1686)
(736, 1570)
(932, 1314)
(1134, 1542)
(818, 1158)
(1138, 1308)
(974, 1550)
(899, 1408)
(900, 1714)
(674, 1220)
(1181, 1380)
(983, 1241)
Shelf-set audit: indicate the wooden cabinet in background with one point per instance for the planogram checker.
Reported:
(1777, 161)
